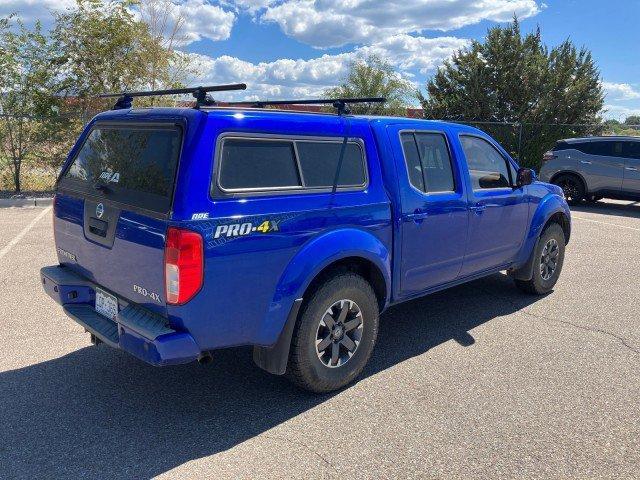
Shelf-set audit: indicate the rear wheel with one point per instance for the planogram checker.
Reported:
(572, 187)
(334, 335)
(548, 261)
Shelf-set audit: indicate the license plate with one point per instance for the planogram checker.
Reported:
(106, 304)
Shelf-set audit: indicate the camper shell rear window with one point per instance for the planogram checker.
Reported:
(132, 164)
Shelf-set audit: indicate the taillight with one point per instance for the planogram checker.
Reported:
(183, 265)
(548, 156)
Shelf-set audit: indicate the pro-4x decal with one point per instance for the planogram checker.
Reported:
(246, 228)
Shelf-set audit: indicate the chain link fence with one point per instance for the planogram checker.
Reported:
(527, 142)
(32, 149)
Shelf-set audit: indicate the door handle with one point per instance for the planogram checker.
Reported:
(633, 169)
(98, 227)
(478, 209)
(417, 216)
(586, 162)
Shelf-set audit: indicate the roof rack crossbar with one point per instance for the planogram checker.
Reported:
(199, 93)
(341, 104)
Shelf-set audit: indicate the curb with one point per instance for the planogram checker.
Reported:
(25, 202)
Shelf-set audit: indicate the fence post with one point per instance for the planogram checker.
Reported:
(520, 143)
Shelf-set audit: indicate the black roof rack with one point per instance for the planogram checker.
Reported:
(200, 94)
(341, 104)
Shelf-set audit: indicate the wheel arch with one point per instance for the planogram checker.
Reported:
(337, 250)
(572, 173)
(347, 248)
(358, 265)
(563, 220)
(552, 209)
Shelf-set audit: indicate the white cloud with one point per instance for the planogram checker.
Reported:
(306, 78)
(203, 20)
(278, 79)
(407, 52)
(619, 112)
(620, 91)
(31, 10)
(332, 23)
(250, 5)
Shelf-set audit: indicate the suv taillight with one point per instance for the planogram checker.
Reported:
(183, 265)
(548, 156)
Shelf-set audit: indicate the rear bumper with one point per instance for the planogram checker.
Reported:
(136, 330)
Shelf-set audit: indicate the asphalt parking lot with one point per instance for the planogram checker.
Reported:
(478, 381)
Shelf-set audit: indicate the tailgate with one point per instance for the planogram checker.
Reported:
(112, 207)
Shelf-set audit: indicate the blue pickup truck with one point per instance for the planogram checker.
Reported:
(180, 231)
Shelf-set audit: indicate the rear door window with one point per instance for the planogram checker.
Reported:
(428, 161)
(412, 157)
(436, 162)
(631, 149)
(134, 165)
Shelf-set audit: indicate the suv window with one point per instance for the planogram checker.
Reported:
(562, 146)
(603, 148)
(428, 161)
(136, 163)
(631, 149)
(487, 167)
(254, 164)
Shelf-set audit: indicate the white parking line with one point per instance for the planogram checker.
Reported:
(605, 223)
(24, 231)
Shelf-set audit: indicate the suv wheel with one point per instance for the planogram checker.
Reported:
(572, 187)
(548, 261)
(334, 335)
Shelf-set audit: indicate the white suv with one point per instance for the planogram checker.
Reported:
(595, 167)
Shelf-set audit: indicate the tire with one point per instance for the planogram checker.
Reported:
(543, 279)
(572, 186)
(345, 293)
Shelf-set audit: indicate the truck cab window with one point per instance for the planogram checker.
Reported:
(428, 162)
(488, 169)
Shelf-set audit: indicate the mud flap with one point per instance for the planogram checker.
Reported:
(525, 272)
(274, 359)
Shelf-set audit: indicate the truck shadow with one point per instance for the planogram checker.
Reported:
(626, 209)
(100, 413)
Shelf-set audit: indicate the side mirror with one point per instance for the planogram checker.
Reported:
(525, 177)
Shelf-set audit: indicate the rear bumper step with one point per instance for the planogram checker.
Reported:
(136, 330)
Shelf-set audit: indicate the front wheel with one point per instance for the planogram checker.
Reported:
(548, 260)
(334, 335)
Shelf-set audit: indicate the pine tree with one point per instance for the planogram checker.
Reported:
(515, 78)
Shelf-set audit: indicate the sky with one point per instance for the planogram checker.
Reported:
(298, 48)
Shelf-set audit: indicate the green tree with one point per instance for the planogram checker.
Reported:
(166, 67)
(516, 79)
(30, 71)
(109, 49)
(373, 77)
(632, 120)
